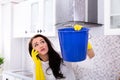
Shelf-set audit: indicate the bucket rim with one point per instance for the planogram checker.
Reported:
(72, 30)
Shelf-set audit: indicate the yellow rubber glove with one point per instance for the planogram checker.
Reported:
(77, 27)
(39, 74)
(89, 45)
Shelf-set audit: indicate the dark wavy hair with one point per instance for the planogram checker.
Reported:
(54, 58)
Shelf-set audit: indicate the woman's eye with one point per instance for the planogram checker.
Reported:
(43, 41)
(36, 45)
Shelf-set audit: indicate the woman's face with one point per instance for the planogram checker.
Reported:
(40, 45)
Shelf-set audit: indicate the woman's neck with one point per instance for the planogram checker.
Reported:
(44, 57)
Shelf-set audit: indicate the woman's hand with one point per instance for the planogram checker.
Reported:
(90, 51)
(34, 56)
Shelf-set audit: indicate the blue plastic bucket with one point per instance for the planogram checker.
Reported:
(73, 44)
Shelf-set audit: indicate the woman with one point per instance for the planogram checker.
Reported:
(48, 63)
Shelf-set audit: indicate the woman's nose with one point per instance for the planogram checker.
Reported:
(40, 45)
